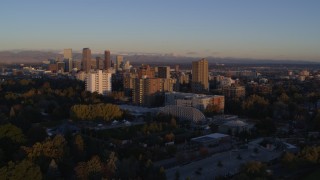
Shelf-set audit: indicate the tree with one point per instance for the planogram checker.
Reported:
(51, 149)
(11, 137)
(284, 98)
(81, 170)
(310, 154)
(36, 134)
(12, 132)
(23, 170)
(53, 171)
(266, 127)
(100, 111)
(128, 169)
(30, 114)
(112, 164)
(173, 122)
(256, 106)
(288, 160)
(169, 137)
(94, 167)
(91, 169)
(162, 173)
(79, 143)
(280, 110)
(254, 169)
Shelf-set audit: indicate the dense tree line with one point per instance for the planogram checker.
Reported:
(26, 151)
(69, 156)
(106, 112)
(290, 102)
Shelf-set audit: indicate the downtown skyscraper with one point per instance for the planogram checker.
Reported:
(86, 60)
(107, 60)
(67, 56)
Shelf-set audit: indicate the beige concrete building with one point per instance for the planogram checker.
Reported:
(199, 101)
(200, 76)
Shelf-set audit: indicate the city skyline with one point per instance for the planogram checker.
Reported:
(246, 29)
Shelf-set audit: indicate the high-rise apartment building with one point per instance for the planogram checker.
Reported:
(99, 81)
(67, 55)
(200, 76)
(86, 60)
(129, 82)
(145, 71)
(145, 91)
(148, 91)
(164, 72)
(107, 60)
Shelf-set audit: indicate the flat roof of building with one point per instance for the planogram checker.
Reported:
(193, 95)
(137, 109)
(209, 137)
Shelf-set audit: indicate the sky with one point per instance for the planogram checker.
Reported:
(262, 29)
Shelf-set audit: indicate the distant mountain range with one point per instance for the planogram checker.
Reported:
(28, 56)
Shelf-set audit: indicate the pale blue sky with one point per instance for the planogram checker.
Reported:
(274, 29)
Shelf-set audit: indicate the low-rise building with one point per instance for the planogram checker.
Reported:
(212, 140)
(234, 92)
(234, 127)
(198, 101)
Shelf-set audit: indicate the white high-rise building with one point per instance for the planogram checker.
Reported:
(98, 81)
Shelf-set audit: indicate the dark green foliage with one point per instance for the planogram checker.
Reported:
(36, 134)
(22, 170)
(11, 137)
(253, 170)
(266, 127)
(256, 106)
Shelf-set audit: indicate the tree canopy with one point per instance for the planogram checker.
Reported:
(12, 132)
(106, 112)
(23, 170)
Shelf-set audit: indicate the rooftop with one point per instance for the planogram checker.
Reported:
(209, 137)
